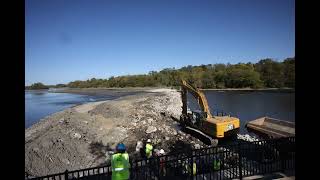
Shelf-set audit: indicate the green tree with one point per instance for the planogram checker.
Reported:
(289, 72)
(265, 73)
(38, 85)
(242, 75)
(271, 73)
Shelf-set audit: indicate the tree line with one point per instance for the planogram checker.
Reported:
(267, 73)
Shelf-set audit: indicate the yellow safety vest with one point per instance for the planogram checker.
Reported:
(149, 150)
(194, 168)
(120, 166)
(216, 164)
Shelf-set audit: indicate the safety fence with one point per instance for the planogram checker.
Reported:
(223, 162)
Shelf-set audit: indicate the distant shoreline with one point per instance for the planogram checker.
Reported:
(139, 89)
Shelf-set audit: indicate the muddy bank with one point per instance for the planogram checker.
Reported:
(79, 137)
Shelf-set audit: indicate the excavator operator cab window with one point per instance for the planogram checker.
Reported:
(199, 115)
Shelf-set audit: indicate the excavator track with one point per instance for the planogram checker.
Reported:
(202, 136)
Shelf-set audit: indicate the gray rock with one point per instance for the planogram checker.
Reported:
(167, 138)
(197, 146)
(61, 120)
(139, 146)
(151, 129)
(156, 151)
(214, 142)
(247, 137)
(66, 161)
(77, 135)
(150, 120)
(108, 156)
(174, 132)
(35, 149)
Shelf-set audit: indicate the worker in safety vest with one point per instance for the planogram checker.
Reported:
(149, 148)
(216, 164)
(120, 163)
(188, 168)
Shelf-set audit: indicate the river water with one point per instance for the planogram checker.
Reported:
(41, 103)
(244, 105)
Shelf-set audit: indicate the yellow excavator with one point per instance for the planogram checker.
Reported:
(202, 122)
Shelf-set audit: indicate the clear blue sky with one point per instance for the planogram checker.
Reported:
(77, 40)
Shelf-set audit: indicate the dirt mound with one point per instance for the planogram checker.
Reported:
(82, 136)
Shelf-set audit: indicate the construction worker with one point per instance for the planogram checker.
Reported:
(149, 148)
(190, 169)
(162, 162)
(120, 163)
(216, 164)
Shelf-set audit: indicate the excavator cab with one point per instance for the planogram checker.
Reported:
(198, 116)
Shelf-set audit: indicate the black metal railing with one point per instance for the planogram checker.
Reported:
(235, 161)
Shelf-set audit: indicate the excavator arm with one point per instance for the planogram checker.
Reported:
(212, 126)
(200, 97)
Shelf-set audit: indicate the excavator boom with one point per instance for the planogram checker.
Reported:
(201, 99)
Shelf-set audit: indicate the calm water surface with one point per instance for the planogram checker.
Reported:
(41, 103)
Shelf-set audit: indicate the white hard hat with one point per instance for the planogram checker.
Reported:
(161, 151)
(149, 141)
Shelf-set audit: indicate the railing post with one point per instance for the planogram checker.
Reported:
(66, 175)
(240, 161)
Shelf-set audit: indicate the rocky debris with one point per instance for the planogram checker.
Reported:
(214, 142)
(61, 120)
(108, 155)
(77, 135)
(66, 161)
(174, 132)
(247, 137)
(151, 129)
(139, 146)
(130, 120)
(35, 149)
(150, 120)
(197, 146)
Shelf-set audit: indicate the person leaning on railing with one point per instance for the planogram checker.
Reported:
(161, 162)
(120, 163)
